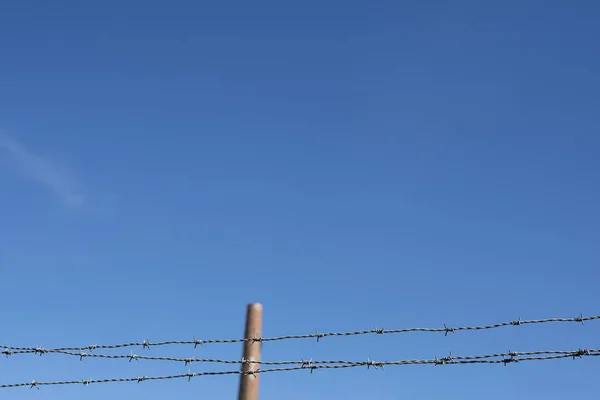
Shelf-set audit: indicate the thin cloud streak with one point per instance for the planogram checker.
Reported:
(42, 170)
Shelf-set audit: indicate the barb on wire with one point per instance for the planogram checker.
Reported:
(317, 335)
(314, 365)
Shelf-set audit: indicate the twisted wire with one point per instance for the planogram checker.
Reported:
(317, 335)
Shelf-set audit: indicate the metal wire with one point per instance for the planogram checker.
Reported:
(187, 361)
(317, 335)
(507, 358)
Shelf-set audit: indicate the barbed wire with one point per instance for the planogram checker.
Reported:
(317, 335)
(190, 360)
(507, 358)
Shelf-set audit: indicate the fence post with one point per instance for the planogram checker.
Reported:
(249, 383)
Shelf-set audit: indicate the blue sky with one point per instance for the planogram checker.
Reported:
(349, 164)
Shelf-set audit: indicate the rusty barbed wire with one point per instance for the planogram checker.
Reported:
(190, 360)
(317, 335)
(507, 358)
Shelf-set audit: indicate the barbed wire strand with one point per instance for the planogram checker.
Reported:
(312, 367)
(317, 335)
(190, 360)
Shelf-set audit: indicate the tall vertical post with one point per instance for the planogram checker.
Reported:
(249, 382)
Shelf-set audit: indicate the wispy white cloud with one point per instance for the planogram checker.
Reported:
(41, 169)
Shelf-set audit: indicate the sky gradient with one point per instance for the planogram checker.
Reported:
(348, 164)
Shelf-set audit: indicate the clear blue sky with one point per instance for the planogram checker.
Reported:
(349, 164)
